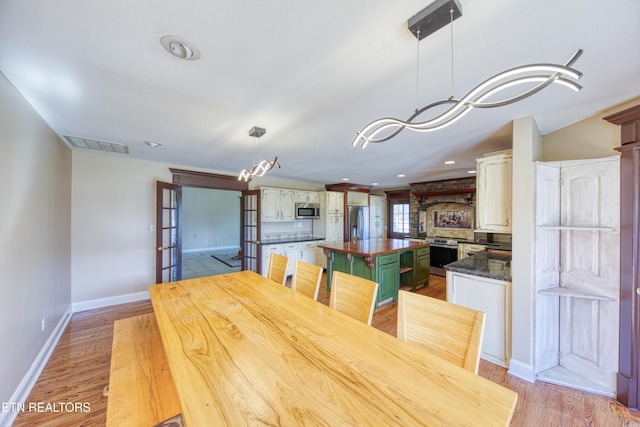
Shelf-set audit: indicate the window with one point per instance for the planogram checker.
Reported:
(400, 217)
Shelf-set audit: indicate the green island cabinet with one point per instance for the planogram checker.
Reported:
(392, 263)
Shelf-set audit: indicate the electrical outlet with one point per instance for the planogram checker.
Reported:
(44, 324)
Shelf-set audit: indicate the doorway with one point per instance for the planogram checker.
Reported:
(170, 225)
(210, 232)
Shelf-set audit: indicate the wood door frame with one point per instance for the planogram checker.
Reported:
(628, 377)
(187, 178)
(160, 229)
(396, 197)
(243, 226)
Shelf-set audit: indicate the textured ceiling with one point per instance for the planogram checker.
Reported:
(312, 74)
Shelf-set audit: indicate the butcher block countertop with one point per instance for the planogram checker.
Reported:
(372, 247)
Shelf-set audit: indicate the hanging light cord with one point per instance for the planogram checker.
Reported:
(452, 91)
(417, 69)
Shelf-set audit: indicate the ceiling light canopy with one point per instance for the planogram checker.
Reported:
(536, 76)
(180, 48)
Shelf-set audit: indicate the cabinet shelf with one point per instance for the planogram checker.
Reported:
(574, 293)
(404, 269)
(577, 228)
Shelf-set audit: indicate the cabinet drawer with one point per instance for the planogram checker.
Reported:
(307, 245)
(272, 248)
(387, 259)
(423, 252)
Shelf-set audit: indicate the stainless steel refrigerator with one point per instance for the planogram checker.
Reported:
(358, 223)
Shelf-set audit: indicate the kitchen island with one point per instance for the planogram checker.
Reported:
(483, 282)
(391, 263)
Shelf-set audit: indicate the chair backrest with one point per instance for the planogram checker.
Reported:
(353, 296)
(278, 268)
(449, 331)
(306, 279)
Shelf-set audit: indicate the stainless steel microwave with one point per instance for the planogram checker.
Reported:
(307, 210)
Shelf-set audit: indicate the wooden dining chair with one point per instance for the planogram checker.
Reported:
(277, 270)
(306, 279)
(353, 296)
(449, 331)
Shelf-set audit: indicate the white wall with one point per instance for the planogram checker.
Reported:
(113, 207)
(35, 169)
(210, 219)
(526, 149)
(588, 139)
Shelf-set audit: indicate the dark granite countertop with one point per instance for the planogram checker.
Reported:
(484, 264)
(281, 240)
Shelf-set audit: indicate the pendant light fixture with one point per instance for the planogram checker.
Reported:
(430, 20)
(258, 169)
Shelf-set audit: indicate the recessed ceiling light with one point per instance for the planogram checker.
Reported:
(180, 48)
(401, 176)
(471, 171)
(345, 179)
(152, 144)
(449, 162)
(375, 183)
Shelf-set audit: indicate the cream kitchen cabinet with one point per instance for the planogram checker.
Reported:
(331, 223)
(493, 192)
(335, 203)
(303, 251)
(377, 210)
(308, 252)
(267, 250)
(291, 251)
(334, 231)
(492, 297)
(465, 248)
(306, 197)
(278, 204)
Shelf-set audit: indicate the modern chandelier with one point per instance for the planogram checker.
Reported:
(430, 20)
(264, 166)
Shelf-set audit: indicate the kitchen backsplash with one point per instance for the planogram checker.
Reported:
(276, 230)
(454, 211)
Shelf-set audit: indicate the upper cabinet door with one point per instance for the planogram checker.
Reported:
(493, 186)
(287, 205)
(270, 204)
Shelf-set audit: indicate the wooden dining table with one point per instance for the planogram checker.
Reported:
(244, 350)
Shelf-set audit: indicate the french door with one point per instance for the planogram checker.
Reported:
(250, 231)
(168, 232)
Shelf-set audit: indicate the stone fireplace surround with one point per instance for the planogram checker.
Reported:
(450, 194)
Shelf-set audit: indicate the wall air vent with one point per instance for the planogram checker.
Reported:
(92, 144)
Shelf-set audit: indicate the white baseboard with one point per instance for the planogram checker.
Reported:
(521, 370)
(26, 385)
(213, 248)
(109, 301)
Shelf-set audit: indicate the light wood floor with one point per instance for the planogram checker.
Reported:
(78, 371)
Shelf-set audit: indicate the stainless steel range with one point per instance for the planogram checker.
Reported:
(443, 252)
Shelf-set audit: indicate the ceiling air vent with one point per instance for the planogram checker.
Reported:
(97, 145)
